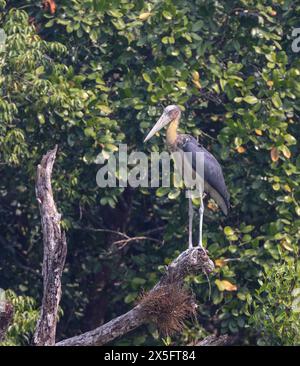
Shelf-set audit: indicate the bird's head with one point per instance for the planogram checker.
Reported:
(170, 114)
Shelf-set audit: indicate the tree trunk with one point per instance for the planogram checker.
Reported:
(55, 250)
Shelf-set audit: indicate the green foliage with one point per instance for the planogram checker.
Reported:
(24, 321)
(94, 74)
(276, 306)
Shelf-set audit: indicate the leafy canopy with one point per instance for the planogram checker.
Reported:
(89, 75)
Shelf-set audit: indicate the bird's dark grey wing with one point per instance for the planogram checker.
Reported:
(213, 175)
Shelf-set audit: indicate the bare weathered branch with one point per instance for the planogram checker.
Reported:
(189, 262)
(213, 340)
(55, 250)
(120, 244)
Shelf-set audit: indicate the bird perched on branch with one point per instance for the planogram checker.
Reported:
(211, 181)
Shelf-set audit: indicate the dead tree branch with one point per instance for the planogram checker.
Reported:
(55, 250)
(120, 244)
(189, 262)
(165, 297)
(213, 340)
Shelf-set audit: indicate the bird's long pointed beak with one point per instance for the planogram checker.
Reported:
(162, 122)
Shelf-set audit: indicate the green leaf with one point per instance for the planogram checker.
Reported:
(291, 140)
(41, 118)
(89, 132)
(130, 298)
(276, 100)
(247, 229)
(250, 99)
(174, 194)
(241, 296)
(228, 231)
(162, 191)
(147, 78)
(167, 15)
(40, 70)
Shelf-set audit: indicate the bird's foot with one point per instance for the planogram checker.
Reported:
(200, 245)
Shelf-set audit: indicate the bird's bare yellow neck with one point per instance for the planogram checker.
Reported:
(172, 132)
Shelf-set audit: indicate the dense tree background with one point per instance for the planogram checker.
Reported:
(88, 75)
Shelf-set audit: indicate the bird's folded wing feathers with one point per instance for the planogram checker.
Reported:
(213, 175)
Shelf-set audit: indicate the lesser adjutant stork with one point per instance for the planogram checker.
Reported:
(212, 181)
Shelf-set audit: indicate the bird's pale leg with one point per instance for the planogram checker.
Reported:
(191, 215)
(201, 212)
